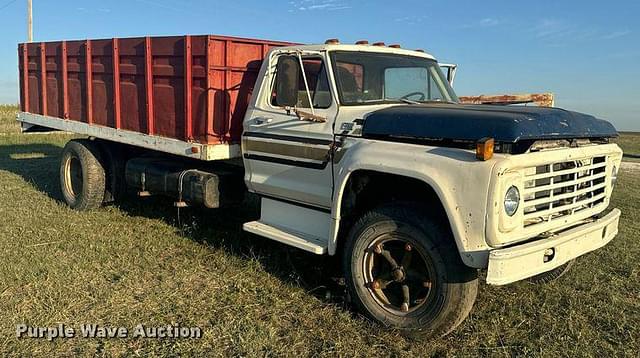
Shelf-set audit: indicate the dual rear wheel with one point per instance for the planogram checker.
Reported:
(91, 173)
(82, 175)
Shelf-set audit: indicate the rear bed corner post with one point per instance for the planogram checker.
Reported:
(25, 78)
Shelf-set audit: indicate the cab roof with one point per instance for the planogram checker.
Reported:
(361, 48)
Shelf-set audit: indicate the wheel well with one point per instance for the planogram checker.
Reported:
(114, 157)
(367, 189)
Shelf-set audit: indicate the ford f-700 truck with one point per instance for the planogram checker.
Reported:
(357, 150)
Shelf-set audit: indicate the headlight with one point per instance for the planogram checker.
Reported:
(512, 201)
(614, 176)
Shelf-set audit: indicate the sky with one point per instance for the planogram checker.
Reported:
(585, 52)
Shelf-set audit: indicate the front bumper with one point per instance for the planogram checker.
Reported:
(526, 260)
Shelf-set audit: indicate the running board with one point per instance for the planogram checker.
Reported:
(306, 243)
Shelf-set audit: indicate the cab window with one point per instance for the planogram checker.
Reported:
(318, 81)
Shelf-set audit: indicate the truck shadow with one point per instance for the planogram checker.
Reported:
(221, 229)
(218, 229)
(37, 164)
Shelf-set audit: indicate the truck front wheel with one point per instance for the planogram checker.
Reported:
(403, 270)
(82, 177)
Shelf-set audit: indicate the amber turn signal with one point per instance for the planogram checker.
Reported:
(484, 148)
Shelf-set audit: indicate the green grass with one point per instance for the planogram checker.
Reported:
(133, 264)
(630, 144)
(8, 124)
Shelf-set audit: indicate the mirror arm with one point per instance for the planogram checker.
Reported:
(306, 116)
(306, 84)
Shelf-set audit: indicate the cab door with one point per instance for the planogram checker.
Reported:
(287, 157)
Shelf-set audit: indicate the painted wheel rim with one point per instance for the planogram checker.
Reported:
(398, 274)
(73, 176)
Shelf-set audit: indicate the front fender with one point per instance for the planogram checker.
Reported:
(460, 181)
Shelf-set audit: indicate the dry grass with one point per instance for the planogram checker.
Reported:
(132, 264)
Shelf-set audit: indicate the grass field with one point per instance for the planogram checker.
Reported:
(630, 143)
(134, 264)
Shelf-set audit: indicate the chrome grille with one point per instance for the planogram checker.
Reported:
(556, 190)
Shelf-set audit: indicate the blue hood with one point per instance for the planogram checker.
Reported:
(508, 124)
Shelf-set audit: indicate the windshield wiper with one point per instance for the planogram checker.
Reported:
(438, 101)
(379, 100)
(406, 100)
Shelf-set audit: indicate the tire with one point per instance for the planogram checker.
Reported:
(448, 289)
(552, 275)
(82, 176)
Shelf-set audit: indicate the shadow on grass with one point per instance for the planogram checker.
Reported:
(36, 164)
(221, 229)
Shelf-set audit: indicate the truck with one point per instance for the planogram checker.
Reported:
(358, 151)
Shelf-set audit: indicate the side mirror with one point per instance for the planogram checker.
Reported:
(287, 75)
(449, 71)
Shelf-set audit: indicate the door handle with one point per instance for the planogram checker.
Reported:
(259, 121)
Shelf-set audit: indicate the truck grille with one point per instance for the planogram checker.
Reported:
(556, 190)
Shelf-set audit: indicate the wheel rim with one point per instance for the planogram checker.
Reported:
(399, 274)
(73, 176)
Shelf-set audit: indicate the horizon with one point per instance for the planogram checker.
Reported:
(588, 60)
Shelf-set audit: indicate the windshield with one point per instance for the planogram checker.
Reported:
(370, 78)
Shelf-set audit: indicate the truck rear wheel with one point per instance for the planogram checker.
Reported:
(404, 271)
(82, 177)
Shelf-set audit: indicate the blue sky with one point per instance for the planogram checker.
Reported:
(586, 52)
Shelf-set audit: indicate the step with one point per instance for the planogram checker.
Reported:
(307, 243)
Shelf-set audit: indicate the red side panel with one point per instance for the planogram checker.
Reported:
(132, 85)
(101, 83)
(193, 88)
(77, 80)
(30, 84)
